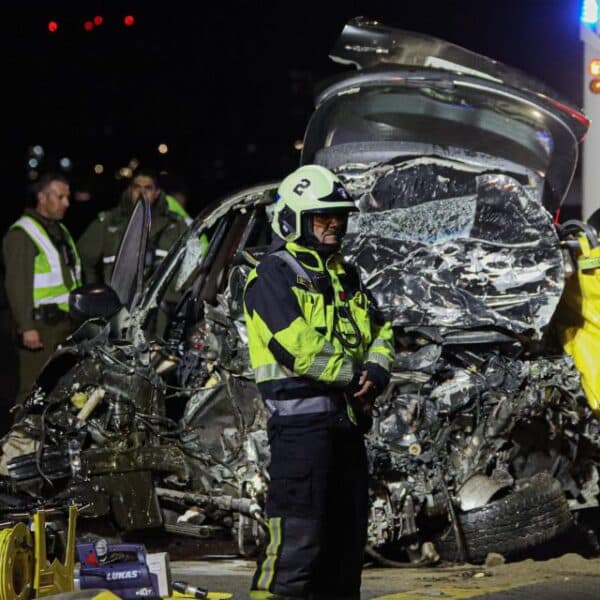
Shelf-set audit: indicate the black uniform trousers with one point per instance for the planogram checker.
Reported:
(317, 507)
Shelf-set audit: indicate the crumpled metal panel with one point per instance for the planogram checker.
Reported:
(488, 257)
(498, 396)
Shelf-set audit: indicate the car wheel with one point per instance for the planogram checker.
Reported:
(534, 512)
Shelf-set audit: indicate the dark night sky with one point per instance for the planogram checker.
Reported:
(229, 89)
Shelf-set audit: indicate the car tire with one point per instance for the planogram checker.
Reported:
(531, 514)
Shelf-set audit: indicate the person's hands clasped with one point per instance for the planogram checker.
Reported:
(367, 385)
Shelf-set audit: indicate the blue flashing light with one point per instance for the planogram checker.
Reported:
(589, 12)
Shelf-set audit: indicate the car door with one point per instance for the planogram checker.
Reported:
(128, 273)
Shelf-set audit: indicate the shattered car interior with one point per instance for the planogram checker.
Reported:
(483, 441)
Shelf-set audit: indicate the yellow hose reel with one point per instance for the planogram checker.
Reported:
(25, 571)
(16, 563)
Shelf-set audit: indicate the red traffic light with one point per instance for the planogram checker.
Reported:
(88, 25)
(129, 20)
(98, 20)
(52, 26)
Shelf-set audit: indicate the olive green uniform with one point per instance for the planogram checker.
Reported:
(53, 325)
(99, 243)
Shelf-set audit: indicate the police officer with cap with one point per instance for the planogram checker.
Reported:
(99, 243)
(42, 267)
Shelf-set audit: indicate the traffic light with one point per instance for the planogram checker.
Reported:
(52, 26)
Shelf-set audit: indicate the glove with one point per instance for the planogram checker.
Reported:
(378, 375)
(353, 386)
(358, 410)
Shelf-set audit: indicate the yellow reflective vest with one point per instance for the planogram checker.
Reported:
(49, 286)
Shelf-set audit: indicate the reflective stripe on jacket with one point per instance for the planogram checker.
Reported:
(310, 327)
(49, 286)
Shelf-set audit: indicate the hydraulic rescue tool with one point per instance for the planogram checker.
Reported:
(127, 570)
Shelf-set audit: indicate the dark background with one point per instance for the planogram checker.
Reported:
(229, 88)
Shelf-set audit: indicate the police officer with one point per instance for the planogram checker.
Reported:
(42, 267)
(176, 194)
(321, 352)
(175, 206)
(99, 243)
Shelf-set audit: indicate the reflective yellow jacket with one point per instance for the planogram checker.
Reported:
(311, 327)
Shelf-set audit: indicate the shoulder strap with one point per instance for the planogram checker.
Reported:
(287, 258)
(352, 273)
(36, 221)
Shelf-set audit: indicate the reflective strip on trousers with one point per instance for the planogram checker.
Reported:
(268, 566)
(108, 259)
(300, 406)
(161, 253)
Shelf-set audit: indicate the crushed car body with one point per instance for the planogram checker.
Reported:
(483, 440)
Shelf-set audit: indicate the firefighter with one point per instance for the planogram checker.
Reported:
(99, 243)
(321, 352)
(42, 267)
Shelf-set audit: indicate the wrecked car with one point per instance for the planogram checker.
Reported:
(483, 440)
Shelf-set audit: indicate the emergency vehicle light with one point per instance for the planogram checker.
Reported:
(589, 12)
(594, 67)
(595, 86)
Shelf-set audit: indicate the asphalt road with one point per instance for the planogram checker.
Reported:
(567, 578)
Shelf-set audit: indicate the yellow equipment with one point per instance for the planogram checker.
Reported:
(211, 596)
(25, 571)
(16, 563)
(579, 321)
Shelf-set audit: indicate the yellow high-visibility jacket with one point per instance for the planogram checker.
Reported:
(311, 327)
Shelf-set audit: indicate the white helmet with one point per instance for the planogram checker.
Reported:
(311, 189)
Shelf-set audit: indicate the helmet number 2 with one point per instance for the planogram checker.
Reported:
(301, 186)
